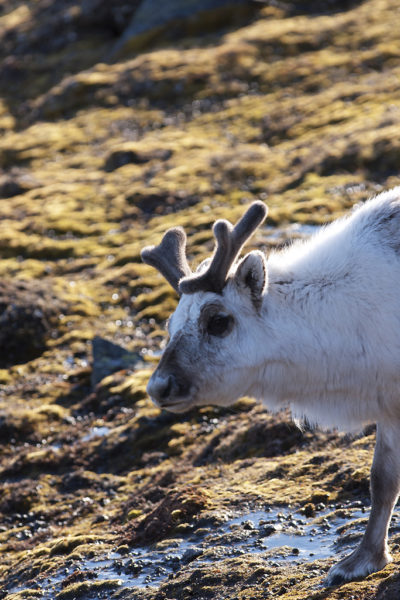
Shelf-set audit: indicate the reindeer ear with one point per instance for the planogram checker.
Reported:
(252, 275)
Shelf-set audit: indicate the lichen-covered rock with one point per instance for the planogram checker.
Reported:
(29, 315)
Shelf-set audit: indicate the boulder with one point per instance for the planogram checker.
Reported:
(109, 358)
(29, 313)
(154, 18)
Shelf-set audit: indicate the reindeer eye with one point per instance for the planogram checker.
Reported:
(219, 325)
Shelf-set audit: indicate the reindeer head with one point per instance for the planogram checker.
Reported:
(214, 329)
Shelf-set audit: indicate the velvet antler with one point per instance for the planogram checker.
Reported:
(229, 242)
(169, 257)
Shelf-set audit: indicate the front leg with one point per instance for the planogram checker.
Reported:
(373, 554)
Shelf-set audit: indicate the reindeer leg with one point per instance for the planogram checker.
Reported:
(373, 554)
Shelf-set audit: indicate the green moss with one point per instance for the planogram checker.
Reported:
(26, 595)
(67, 545)
(5, 376)
(91, 587)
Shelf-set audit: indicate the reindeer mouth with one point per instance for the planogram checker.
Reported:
(168, 393)
(177, 407)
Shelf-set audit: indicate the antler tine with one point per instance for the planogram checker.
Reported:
(169, 257)
(229, 242)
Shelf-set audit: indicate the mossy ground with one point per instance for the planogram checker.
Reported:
(99, 159)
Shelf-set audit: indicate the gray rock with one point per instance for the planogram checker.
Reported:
(130, 155)
(109, 358)
(10, 187)
(154, 16)
(268, 530)
(192, 554)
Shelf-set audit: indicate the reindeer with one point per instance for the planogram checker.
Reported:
(316, 327)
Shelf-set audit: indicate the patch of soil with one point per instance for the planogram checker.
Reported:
(177, 507)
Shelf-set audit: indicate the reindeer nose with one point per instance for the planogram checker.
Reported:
(159, 388)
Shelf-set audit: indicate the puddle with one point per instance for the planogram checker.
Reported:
(306, 538)
(281, 536)
(95, 432)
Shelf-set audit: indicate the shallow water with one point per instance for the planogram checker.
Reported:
(280, 535)
(96, 432)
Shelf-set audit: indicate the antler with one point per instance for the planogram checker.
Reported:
(229, 242)
(169, 257)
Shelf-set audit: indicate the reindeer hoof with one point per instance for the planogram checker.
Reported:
(356, 566)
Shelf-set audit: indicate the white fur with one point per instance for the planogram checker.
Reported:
(337, 326)
(322, 337)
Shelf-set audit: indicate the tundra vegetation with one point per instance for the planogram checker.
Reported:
(102, 149)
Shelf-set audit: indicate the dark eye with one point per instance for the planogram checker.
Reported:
(219, 325)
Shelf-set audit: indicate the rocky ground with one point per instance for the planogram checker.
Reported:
(103, 146)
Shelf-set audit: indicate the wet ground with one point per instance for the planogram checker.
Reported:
(101, 494)
(280, 537)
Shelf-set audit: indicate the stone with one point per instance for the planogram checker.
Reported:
(128, 154)
(10, 187)
(154, 17)
(28, 318)
(109, 358)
